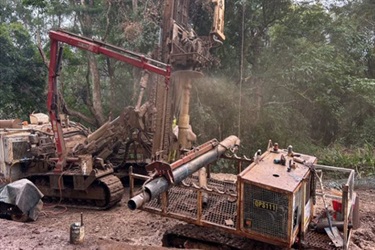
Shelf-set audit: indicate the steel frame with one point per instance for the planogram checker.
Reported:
(198, 215)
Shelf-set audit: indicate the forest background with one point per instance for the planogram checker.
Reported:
(299, 72)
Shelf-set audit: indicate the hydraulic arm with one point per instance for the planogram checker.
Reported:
(94, 46)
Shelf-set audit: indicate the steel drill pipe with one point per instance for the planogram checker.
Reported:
(160, 185)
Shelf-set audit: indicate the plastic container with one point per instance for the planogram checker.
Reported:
(337, 205)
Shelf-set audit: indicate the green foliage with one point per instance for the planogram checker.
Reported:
(358, 119)
(35, 3)
(224, 166)
(313, 60)
(259, 16)
(213, 109)
(22, 73)
(13, 11)
(361, 159)
(307, 70)
(308, 67)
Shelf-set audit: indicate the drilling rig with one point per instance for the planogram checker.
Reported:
(271, 203)
(61, 157)
(188, 54)
(70, 164)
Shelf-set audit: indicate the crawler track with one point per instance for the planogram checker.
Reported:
(102, 194)
(191, 236)
(115, 189)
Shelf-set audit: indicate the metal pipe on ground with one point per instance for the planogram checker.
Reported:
(160, 185)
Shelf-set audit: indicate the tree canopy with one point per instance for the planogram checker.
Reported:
(299, 72)
(22, 73)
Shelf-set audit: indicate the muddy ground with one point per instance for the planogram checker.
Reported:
(121, 228)
(364, 237)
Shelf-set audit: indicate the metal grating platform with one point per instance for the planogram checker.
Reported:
(317, 240)
(221, 209)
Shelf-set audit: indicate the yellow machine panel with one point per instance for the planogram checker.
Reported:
(273, 197)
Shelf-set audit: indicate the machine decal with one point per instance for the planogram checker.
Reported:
(264, 205)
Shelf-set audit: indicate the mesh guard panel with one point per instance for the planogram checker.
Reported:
(267, 211)
(21, 150)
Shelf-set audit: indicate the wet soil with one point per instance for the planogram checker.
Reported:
(121, 228)
(364, 237)
(116, 228)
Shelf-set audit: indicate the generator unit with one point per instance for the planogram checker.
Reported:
(276, 196)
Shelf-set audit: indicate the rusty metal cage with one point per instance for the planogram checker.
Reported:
(218, 208)
(338, 186)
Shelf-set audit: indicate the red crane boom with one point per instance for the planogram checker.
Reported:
(97, 47)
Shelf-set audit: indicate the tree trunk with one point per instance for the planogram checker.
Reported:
(111, 85)
(86, 25)
(96, 91)
(135, 5)
(259, 99)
